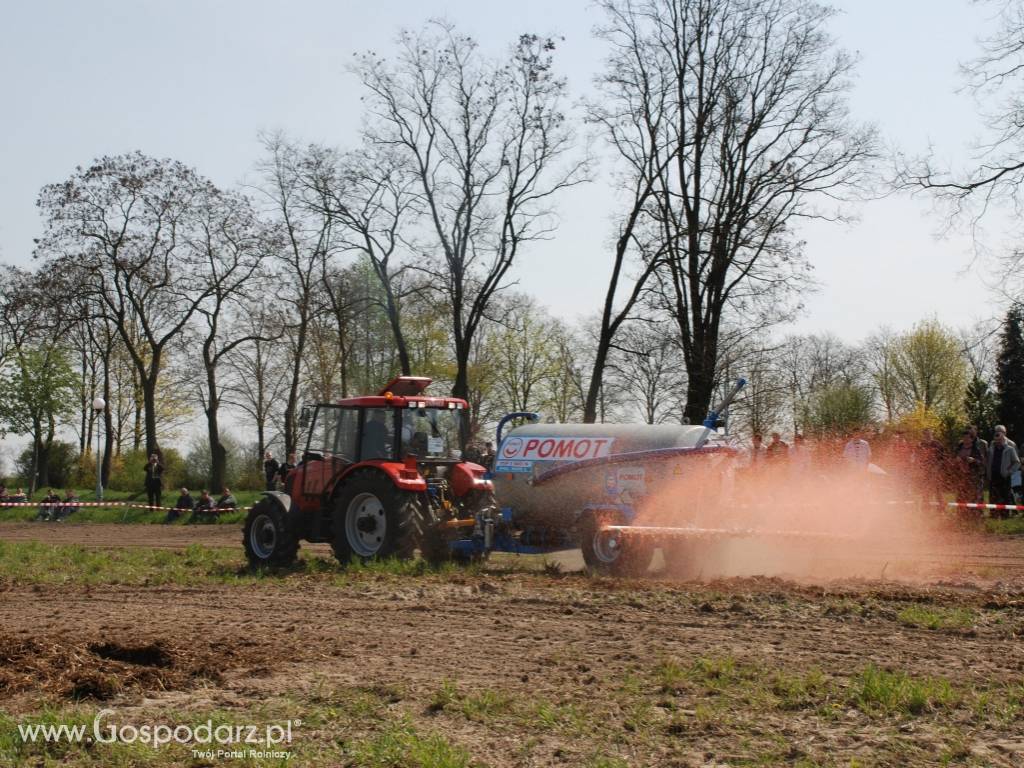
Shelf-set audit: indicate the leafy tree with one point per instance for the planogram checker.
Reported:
(928, 368)
(36, 391)
(1010, 372)
(61, 465)
(839, 409)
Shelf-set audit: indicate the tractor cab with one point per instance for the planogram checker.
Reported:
(398, 425)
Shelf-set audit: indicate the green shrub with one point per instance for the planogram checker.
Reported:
(128, 471)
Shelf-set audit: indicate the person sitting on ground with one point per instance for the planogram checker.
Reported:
(19, 496)
(185, 503)
(68, 504)
(3, 492)
(49, 506)
(204, 509)
(226, 500)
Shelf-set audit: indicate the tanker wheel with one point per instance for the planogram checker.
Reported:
(610, 552)
(373, 519)
(269, 537)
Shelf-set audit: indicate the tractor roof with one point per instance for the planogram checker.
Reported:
(404, 392)
(405, 386)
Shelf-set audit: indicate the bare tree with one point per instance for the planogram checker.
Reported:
(121, 223)
(648, 369)
(309, 239)
(233, 244)
(739, 116)
(483, 140)
(260, 385)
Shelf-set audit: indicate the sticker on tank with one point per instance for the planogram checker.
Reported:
(554, 448)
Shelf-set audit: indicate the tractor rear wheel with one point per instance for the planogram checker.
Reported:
(269, 536)
(373, 519)
(610, 552)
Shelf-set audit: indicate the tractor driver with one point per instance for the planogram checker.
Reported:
(375, 436)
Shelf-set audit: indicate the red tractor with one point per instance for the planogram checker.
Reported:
(382, 476)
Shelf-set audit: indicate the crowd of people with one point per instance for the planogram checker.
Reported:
(924, 466)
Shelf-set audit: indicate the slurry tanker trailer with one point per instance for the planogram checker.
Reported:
(382, 476)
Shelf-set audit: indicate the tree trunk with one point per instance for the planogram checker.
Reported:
(149, 400)
(291, 436)
(699, 391)
(218, 455)
(596, 379)
(108, 430)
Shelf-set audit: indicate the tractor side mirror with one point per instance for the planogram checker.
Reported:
(305, 416)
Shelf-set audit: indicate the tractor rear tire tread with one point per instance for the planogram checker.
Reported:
(405, 525)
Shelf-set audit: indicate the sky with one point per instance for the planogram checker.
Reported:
(198, 81)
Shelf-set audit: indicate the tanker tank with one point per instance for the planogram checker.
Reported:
(549, 473)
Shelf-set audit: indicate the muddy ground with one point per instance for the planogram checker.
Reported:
(510, 668)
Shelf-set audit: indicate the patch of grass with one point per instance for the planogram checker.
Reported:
(879, 691)
(936, 618)
(402, 746)
(485, 705)
(1011, 526)
(802, 690)
(606, 761)
(32, 562)
(562, 718)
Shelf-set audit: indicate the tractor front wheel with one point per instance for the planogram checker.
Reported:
(611, 552)
(268, 536)
(373, 519)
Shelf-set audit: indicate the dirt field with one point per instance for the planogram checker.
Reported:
(501, 667)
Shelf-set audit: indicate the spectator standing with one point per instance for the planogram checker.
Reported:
(857, 451)
(271, 469)
(185, 503)
(286, 467)
(487, 457)
(154, 480)
(931, 461)
(999, 429)
(1003, 462)
(756, 450)
(972, 457)
(777, 449)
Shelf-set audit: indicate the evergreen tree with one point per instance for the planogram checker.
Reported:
(981, 406)
(1010, 373)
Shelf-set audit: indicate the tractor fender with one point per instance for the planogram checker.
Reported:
(403, 479)
(467, 477)
(282, 500)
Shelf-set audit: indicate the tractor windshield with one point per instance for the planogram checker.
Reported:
(431, 433)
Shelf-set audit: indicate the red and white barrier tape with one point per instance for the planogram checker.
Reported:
(110, 504)
(967, 505)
